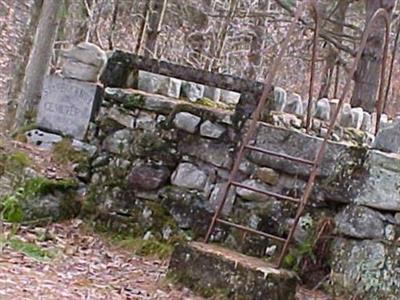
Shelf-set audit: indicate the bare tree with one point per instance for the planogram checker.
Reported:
(156, 17)
(368, 72)
(39, 59)
(19, 64)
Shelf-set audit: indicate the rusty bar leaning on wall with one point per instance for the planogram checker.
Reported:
(396, 41)
(317, 21)
(379, 13)
(254, 119)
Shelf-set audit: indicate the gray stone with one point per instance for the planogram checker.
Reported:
(229, 97)
(84, 61)
(189, 176)
(230, 198)
(268, 176)
(220, 269)
(120, 117)
(42, 139)
(80, 146)
(68, 105)
(334, 103)
(192, 91)
(148, 176)
(379, 185)
(346, 116)
(212, 93)
(366, 268)
(251, 195)
(298, 144)
(358, 115)
(388, 138)
(294, 104)
(280, 98)
(360, 222)
(119, 142)
(186, 121)
(146, 121)
(174, 88)
(323, 109)
(212, 130)
(217, 153)
(366, 122)
(159, 84)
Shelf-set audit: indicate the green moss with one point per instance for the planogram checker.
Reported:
(148, 248)
(19, 134)
(30, 249)
(63, 152)
(134, 101)
(210, 103)
(38, 186)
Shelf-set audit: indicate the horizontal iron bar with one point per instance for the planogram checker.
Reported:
(251, 230)
(268, 193)
(282, 155)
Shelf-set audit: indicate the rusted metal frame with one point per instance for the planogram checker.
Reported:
(251, 230)
(380, 102)
(267, 193)
(335, 91)
(396, 41)
(253, 125)
(379, 13)
(317, 21)
(282, 155)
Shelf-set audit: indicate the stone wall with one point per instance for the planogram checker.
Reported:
(157, 163)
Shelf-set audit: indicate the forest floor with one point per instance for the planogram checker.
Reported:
(68, 261)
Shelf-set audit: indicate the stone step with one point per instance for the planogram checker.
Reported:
(214, 270)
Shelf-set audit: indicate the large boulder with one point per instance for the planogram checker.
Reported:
(388, 138)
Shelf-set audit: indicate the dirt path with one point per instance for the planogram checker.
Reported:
(66, 262)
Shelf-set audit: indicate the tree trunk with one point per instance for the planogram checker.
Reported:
(222, 36)
(143, 25)
(336, 26)
(19, 65)
(257, 43)
(113, 25)
(156, 18)
(368, 71)
(39, 59)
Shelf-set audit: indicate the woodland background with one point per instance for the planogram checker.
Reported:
(239, 37)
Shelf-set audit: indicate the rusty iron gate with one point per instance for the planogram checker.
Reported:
(314, 165)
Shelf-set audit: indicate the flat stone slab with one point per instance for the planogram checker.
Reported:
(302, 145)
(213, 270)
(67, 105)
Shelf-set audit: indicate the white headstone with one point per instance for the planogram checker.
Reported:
(67, 105)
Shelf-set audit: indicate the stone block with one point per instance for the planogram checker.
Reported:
(280, 98)
(378, 187)
(159, 84)
(323, 109)
(212, 130)
(148, 176)
(189, 176)
(230, 199)
(346, 116)
(67, 105)
(366, 122)
(236, 276)
(229, 97)
(268, 176)
(249, 195)
(366, 268)
(186, 121)
(192, 91)
(388, 138)
(358, 115)
(84, 61)
(294, 104)
(212, 93)
(299, 144)
(360, 222)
